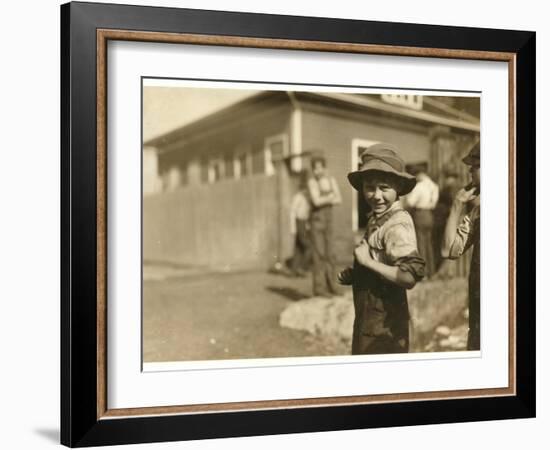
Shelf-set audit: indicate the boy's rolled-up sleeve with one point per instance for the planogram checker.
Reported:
(463, 239)
(401, 249)
(414, 264)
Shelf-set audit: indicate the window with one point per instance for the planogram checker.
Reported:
(171, 179)
(276, 148)
(216, 170)
(269, 168)
(258, 160)
(229, 166)
(241, 165)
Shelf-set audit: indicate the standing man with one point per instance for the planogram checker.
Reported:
(323, 193)
(421, 203)
(460, 235)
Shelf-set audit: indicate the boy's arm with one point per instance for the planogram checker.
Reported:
(393, 274)
(316, 198)
(456, 235)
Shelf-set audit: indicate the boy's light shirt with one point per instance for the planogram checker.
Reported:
(393, 237)
(299, 209)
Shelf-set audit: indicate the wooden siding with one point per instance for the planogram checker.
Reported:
(225, 225)
(334, 134)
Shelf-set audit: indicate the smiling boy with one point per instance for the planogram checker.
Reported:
(386, 261)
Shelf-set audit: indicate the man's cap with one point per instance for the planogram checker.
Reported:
(473, 157)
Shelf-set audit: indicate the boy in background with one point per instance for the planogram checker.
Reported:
(300, 211)
(460, 235)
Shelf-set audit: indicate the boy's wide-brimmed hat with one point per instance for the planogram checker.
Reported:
(473, 157)
(385, 158)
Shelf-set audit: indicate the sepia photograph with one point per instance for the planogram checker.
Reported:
(271, 224)
(283, 221)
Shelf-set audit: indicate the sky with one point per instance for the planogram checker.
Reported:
(168, 108)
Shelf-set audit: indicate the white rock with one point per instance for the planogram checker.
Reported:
(454, 339)
(331, 317)
(443, 330)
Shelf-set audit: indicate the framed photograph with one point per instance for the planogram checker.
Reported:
(273, 224)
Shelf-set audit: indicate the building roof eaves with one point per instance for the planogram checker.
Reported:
(349, 99)
(369, 103)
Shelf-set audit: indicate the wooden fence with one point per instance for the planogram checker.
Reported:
(228, 224)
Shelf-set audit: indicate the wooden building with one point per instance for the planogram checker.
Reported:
(220, 188)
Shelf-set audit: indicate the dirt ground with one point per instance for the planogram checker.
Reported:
(225, 316)
(189, 315)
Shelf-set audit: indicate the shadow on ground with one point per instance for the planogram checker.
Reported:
(289, 293)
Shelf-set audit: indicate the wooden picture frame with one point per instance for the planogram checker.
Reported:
(86, 418)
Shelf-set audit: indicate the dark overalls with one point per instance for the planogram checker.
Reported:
(381, 315)
(324, 274)
(473, 292)
(301, 259)
(381, 322)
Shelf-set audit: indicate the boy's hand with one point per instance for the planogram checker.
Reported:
(466, 196)
(362, 253)
(346, 276)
